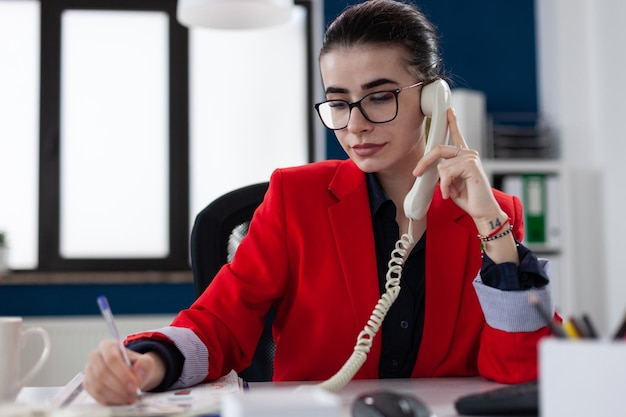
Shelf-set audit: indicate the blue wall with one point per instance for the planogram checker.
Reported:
(488, 45)
(75, 299)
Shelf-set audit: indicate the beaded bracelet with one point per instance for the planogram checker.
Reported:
(496, 236)
(489, 238)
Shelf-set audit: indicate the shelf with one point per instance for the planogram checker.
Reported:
(544, 249)
(515, 166)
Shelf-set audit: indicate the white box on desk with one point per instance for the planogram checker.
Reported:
(281, 402)
(582, 378)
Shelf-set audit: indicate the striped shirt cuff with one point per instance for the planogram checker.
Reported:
(511, 311)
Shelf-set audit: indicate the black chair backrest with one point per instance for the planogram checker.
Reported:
(218, 227)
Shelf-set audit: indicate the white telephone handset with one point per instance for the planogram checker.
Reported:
(436, 100)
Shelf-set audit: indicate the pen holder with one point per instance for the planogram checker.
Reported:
(581, 378)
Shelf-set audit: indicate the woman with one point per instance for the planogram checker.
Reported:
(318, 247)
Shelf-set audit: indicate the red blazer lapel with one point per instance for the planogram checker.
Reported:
(351, 222)
(447, 232)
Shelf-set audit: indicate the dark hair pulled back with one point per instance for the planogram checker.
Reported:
(388, 22)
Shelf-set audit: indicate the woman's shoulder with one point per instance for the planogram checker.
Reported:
(329, 177)
(505, 199)
(315, 172)
(327, 164)
(511, 204)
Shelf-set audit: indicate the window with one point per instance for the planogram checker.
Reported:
(113, 136)
(113, 192)
(248, 113)
(142, 124)
(19, 129)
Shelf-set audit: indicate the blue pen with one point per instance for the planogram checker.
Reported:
(105, 309)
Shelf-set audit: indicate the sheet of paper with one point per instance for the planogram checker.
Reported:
(200, 399)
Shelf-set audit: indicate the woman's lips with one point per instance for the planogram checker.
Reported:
(367, 149)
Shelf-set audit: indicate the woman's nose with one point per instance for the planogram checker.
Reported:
(358, 122)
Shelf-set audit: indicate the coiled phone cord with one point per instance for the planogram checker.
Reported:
(366, 337)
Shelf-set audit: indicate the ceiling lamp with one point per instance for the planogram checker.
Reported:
(233, 14)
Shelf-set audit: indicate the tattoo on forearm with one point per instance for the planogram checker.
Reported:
(495, 224)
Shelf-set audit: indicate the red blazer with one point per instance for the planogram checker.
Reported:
(310, 253)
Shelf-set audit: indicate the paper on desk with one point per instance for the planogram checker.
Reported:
(203, 398)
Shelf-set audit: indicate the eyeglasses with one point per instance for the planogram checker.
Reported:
(376, 107)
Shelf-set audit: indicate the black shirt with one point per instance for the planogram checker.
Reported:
(401, 332)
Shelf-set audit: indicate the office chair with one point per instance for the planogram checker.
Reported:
(216, 232)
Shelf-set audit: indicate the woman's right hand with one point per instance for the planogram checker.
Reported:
(111, 382)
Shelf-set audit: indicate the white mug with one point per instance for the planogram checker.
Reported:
(12, 338)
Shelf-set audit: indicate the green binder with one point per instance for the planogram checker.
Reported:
(535, 207)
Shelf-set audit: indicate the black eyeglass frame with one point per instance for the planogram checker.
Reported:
(357, 104)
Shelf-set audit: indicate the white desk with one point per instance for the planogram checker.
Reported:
(438, 393)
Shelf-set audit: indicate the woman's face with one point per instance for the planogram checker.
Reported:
(349, 74)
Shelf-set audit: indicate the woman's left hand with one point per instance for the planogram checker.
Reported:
(461, 174)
